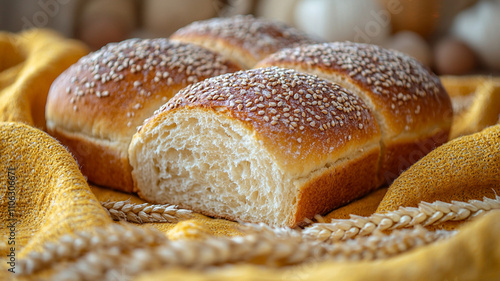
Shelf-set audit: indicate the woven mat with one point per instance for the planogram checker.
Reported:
(437, 221)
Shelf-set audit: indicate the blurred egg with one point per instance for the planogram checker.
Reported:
(101, 31)
(479, 27)
(339, 20)
(280, 10)
(163, 17)
(412, 44)
(105, 21)
(420, 16)
(453, 57)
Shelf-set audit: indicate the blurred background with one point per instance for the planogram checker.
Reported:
(455, 37)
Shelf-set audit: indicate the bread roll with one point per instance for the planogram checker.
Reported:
(411, 106)
(267, 145)
(94, 107)
(243, 39)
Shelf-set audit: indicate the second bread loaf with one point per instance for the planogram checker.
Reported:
(411, 106)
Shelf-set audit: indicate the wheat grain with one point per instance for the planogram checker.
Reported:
(425, 214)
(70, 247)
(143, 213)
(266, 245)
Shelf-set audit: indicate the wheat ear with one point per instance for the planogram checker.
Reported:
(143, 213)
(263, 244)
(70, 247)
(425, 214)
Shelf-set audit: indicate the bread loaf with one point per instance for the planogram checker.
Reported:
(267, 145)
(94, 107)
(242, 39)
(411, 106)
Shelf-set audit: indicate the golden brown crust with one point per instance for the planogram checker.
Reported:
(399, 155)
(407, 94)
(302, 120)
(86, 152)
(249, 39)
(338, 186)
(108, 93)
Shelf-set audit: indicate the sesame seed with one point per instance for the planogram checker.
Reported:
(243, 91)
(383, 72)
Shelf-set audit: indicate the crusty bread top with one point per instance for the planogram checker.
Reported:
(408, 94)
(251, 38)
(108, 93)
(302, 120)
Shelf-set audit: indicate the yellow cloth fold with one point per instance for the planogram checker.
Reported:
(50, 198)
(462, 169)
(29, 62)
(46, 194)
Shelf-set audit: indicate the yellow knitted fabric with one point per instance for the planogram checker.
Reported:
(29, 62)
(45, 199)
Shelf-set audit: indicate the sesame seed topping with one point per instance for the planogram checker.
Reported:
(144, 60)
(241, 93)
(387, 73)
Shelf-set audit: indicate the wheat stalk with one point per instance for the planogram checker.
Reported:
(264, 247)
(132, 250)
(143, 213)
(70, 247)
(425, 214)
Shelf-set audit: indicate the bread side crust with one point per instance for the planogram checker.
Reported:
(401, 153)
(102, 162)
(340, 184)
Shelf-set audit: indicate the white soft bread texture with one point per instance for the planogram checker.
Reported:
(95, 106)
(243, 39)
(411, 106)
(267, 145)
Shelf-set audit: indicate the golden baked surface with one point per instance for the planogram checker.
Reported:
(398, 85)
(112, 85)
(257, 37)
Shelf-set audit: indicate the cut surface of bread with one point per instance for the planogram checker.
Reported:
(257, 146)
